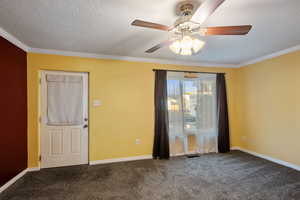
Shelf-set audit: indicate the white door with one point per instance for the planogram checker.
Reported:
(64, 118)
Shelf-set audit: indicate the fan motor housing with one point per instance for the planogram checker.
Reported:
(187, 7)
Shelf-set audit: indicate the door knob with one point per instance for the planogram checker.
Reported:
(85, 126)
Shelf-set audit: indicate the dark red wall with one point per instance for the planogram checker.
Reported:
(13, 111)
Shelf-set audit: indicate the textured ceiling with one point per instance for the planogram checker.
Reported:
(103, 27)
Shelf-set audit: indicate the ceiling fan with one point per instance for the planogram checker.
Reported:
(189, 24)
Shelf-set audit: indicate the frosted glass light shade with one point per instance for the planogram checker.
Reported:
(175, 47)
(186, 52)
(198, 45)
(187, 46)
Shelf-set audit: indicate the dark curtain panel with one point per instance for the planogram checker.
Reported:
(161, 135)
(222, 115)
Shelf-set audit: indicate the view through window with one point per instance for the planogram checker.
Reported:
(192, 113)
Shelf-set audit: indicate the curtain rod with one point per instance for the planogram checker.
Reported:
(186, 71)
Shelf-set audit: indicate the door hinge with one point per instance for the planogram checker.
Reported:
(40, 81)
(40, 158)
(40, 119)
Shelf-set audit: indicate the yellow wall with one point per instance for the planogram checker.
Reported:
(126, 90)
(263, 105)
(268, 107)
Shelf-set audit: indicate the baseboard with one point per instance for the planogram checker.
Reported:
(115, 160)
(33, 169)
(275, 160)
(235, 148)
(13, 180)
(178, 154)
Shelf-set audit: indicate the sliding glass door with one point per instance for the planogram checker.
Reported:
(192, 113)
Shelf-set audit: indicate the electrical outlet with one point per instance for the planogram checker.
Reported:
(137, 141)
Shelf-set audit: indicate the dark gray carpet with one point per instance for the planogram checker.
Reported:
(232, 176)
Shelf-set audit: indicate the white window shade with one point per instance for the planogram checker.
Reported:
(64, 100)
(192, 112)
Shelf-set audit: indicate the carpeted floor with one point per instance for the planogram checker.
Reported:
(232, 176)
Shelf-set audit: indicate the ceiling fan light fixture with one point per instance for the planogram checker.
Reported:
(187, 46)
(187, 42)
(186, 52)
(192, 14)
(175, 46)
(198, 45)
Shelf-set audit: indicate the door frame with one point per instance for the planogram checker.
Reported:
(41, 73)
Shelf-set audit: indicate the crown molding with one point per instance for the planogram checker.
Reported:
(13, 40)
(26, 48)
(128, 58)
(269, 56)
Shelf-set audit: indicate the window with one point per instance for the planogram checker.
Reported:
(192, 111)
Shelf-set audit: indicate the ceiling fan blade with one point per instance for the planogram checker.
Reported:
(226, 30)
(205, 10)
(156, 47)
(150, 25)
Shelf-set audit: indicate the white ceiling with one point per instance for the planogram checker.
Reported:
(103, 27)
